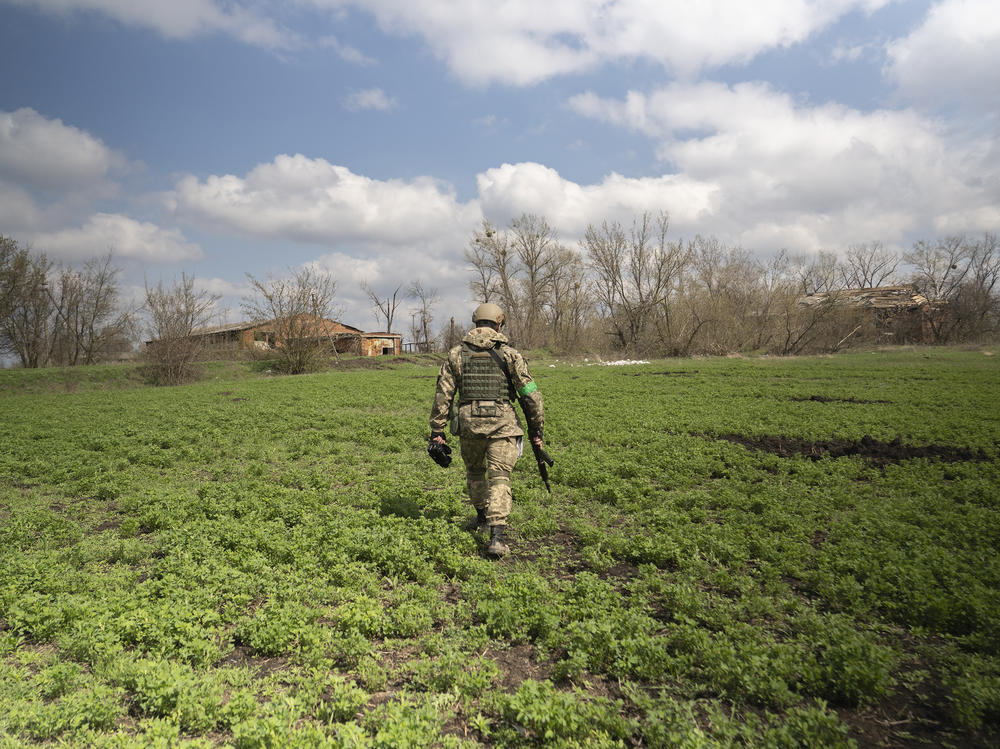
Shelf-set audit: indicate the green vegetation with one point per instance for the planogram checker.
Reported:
(737, 552)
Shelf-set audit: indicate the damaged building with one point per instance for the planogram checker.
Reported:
(344, 339)
(897, 313)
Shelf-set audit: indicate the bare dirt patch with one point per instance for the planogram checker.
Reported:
(830, 399)
(876, 451)
(560, 547)
(243, 656)
(517, 664)
(913, 716)
(451, 593)
(620, 571)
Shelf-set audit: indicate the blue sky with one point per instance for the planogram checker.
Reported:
(219, 138)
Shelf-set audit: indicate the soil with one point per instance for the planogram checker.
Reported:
(876, 451)
(827, 399)
(559, 547)
(517, 664)
(243, 655)
(911, 718)
(562, 545)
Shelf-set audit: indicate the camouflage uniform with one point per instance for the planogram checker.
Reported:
(489, 430)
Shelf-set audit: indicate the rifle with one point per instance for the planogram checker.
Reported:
(541, 457)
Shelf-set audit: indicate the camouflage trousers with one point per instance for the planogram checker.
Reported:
(488, 463)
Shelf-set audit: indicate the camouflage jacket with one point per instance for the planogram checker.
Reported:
(505, 422)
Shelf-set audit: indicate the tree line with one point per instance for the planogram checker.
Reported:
(632, 290)
(58, 315)
(621, 289)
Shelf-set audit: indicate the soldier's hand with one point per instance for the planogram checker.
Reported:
(440, 452)
(536, 436)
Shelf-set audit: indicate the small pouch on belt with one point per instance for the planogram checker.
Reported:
(485, 409)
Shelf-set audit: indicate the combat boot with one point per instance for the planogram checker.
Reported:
(482, 524)
(479, 524)
(497, 548)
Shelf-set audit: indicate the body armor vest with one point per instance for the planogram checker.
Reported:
(482, 379)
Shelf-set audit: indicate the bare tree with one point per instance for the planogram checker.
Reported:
(533, 240)
(479, 255)
(174, 313)
(939, 272)
(939, 268)
(980, 294)
(972, 304)
(25, 306)
(816, 274)
(427, 299)
(567, 311)
(296, 309)
(635, 273)
(88, 320)
(61, 316)
(726, 296)
(385, 309)
(498, 274)
(868, 266)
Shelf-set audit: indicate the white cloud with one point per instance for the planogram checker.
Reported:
(183, 19)
(521, 42)
(73, 168)
(223, 287)
(46, 153)
(18, 211)
(125, 236)
(445, 274)
(782, 174)
(370, 99)
(953, 56)
(850, 53)
(512, 189)
(314, 201)
(385, 233)
(346, 52)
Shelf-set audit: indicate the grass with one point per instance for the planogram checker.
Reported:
(736, 552)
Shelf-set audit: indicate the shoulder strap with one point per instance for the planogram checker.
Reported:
(502, 364)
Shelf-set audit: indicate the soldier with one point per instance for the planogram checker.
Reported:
(488, 374)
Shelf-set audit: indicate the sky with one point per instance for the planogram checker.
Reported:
(220, 138)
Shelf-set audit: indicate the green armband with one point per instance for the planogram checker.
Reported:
(527, 389)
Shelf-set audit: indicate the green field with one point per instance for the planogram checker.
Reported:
(736, 552)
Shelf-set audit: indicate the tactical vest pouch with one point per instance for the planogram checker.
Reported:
(485, 409)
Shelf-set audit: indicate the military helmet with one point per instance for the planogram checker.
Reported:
(488, 312)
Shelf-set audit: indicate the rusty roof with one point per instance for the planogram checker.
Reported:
(234, 327)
